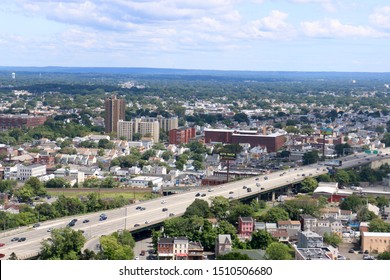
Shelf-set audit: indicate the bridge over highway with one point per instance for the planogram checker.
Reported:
(133, 219)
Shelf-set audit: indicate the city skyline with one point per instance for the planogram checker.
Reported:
(256, 35)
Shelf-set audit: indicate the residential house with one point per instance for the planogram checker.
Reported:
(308, 222)
(223, 244)
(309, 239)
(195, 251)
(270, 227)
(281, 235)
(165, 248)
(245, 227)
(289, 225)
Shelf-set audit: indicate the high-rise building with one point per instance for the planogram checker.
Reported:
(165, 124)
(127, 129)
(114, 111)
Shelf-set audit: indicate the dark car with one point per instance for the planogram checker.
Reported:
(14, 239)
(165, 209)
(71, 224)
(142, 209)
(244, 187)
(21, 239)
(198, 194)
(230, 192)
(203, 194)
(265, 178)
(143, 252)
(85, 221)
(136, 225)
(103, 218)
(36, 225)
(171, 214)
(138, 208)
(351, 251)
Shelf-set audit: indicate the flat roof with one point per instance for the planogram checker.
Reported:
(376, 234)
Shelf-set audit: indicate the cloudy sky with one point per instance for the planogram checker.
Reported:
(266, 35)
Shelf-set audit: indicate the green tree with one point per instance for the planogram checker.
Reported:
(310, 157)
(324, 178)
(352, 202)
(378, 225)
(57, 182)
(36, 185)
(233, 256)
(198, 208)
(382, 202)
(63, 244)
(276, 214)
(220, 207)
(333, 239)
(342, 177)
(308, 184)
(114, 250)
(365, 215)
(383, 256)
(278, 251)
(261, 239)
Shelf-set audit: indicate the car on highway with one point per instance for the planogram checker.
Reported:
(171, 214)
(265, 178)
(146, 222)
(257, 179)
(203, 195)
(21, 239)
(210, 190)
(103, 218)
(36, 225)
(85, 221)
(2, 244)
(49, 229)
(244, 187)
(262, 189)
(231, 192)
(163, 201)
(165, 209)
(2, 256)
(198, 194)
(136, 225)
(14, 239)
(138, 208)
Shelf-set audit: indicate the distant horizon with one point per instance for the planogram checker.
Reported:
(216, 35)
(2, 67)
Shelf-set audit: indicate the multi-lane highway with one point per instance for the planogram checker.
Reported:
(132, 218)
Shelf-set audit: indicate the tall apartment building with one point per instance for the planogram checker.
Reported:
(114, 111)
(165, 124)
(127, 129)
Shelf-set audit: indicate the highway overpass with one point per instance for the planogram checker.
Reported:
(135, 220)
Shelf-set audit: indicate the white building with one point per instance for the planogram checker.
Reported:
(71, 175)
(143, 181)
(25, 172)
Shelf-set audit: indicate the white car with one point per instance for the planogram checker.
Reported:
(163, 201)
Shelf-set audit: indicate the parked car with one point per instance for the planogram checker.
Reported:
(351, 251)
(143, 252)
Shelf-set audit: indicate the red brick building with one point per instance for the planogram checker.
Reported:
(181, 135)
(44, 159)
(245, 227)
(14, 121)
(273, 142)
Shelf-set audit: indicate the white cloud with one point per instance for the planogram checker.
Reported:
(334, 28)
(381, 17)
(274, 26)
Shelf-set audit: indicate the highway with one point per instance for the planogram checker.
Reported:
(128, 217)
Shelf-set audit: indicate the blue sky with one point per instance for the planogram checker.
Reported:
(264, 35)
